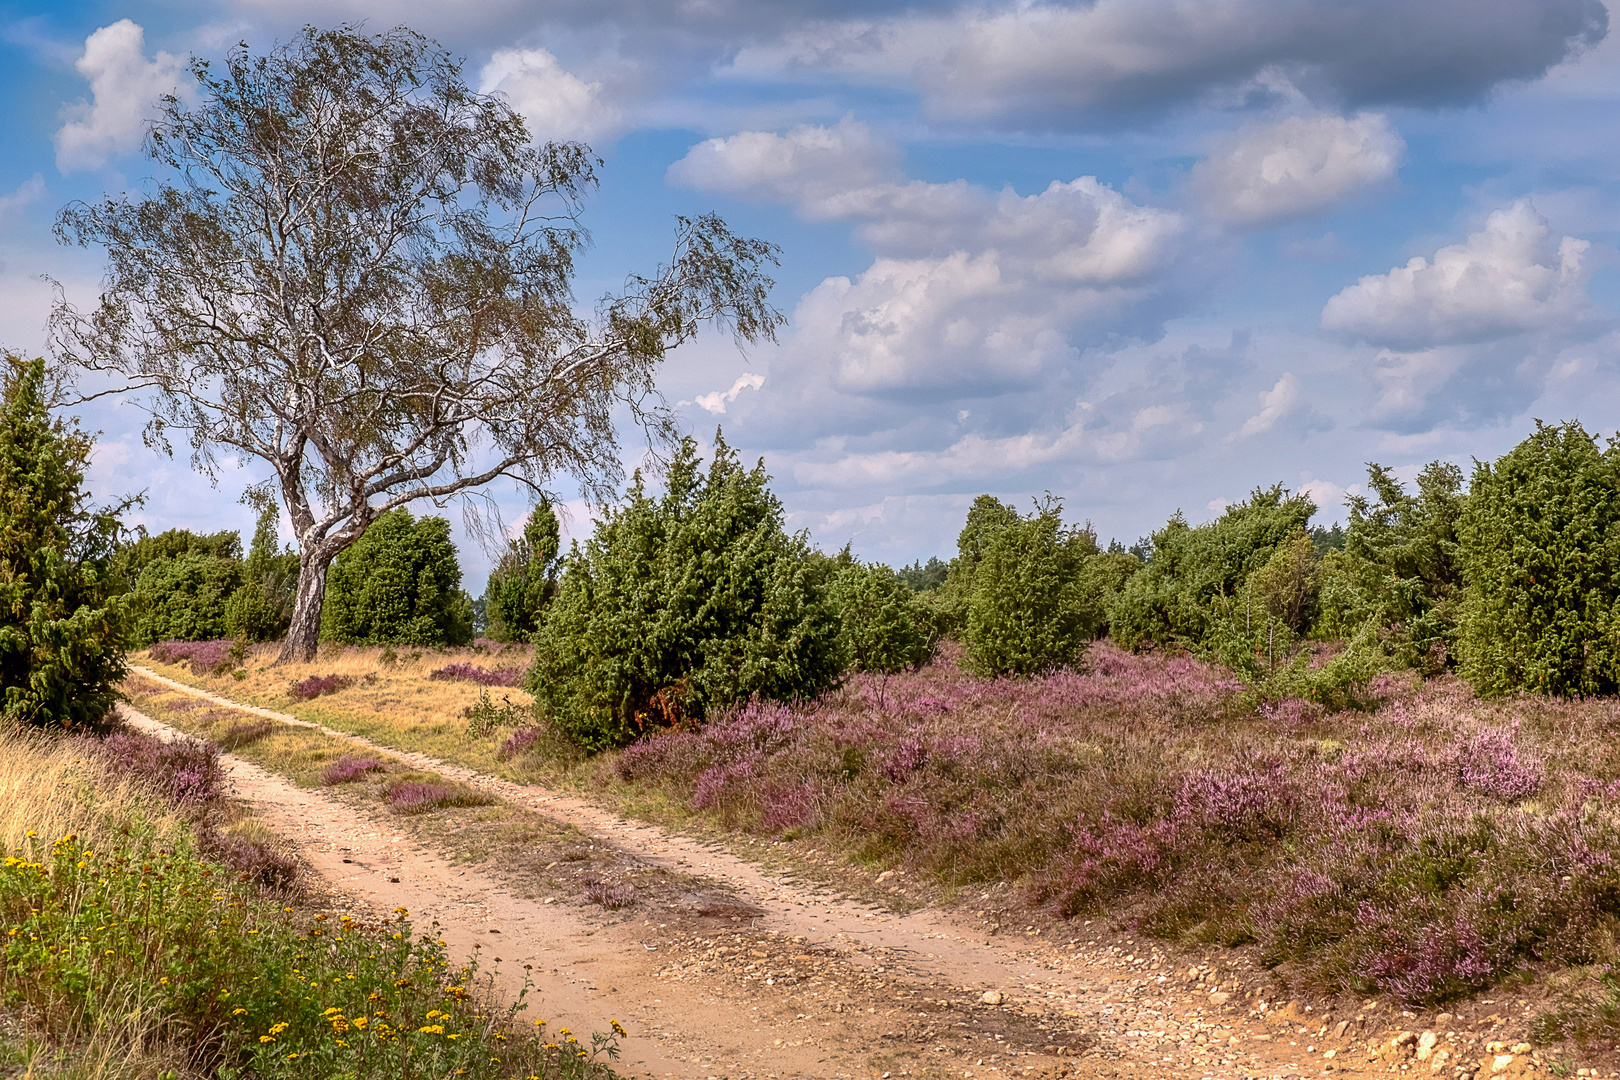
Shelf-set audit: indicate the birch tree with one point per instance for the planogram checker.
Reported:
(356, 269)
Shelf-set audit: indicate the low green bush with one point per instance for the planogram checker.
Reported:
(1397, 568)
(1540, 553)
(1027, 609)
(185, 598)
(885, 628)
(399, 584)
(1193, 584)
(684, 603)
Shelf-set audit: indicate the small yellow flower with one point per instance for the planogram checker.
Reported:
(267, 1038)
(431, 1029)
(238, 1012)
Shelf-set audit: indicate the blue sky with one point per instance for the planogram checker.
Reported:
(1142, 254)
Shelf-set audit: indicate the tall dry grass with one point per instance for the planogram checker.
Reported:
(54, 787)
(390, 693)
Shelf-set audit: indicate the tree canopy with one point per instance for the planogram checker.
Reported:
(356, 269)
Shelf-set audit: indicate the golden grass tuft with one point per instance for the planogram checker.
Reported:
(396, 704)
(49, 786)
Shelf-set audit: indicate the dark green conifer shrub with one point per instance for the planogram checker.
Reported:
(399, 584)
(885, 628)
(1397, 568)
(261, 609)
(184, 598)
(684, 603)
(925, 577)
(1196, 574)
(1540, 550)
(63, 624)
(1027, 608)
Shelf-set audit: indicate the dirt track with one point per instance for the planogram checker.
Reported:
(754, 974)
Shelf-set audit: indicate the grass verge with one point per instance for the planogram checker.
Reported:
(130, 948)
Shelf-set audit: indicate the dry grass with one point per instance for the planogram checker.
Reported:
(51, 787)
(396, 703)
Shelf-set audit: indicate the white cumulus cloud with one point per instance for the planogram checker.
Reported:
(809, 167)
(1510, 277)
(1296, 168)
(717, 401)
(124, 89)
(555, 103)
(1282, 407)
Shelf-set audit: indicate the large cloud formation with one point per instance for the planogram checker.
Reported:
(555, 104)
(972, 292)
(1037, 64)
(1055, 66)
(1509, 277)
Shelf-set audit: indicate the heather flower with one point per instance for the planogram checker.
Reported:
(317, 685)
(349, 768)
(204, 657)
(473, 673)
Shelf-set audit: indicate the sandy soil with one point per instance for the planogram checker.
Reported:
(757, 973)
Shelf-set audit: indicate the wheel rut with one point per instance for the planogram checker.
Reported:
(792, 981)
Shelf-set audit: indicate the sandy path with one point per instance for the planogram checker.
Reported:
(904, 990)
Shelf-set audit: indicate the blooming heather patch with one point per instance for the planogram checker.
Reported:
(348, 769)
(1389, 850)
(465, 672)
(255, 860)
(205, 657)
(184, 771)
(519, 742)
(418, 797)
(316, 685)
(1491, 761)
